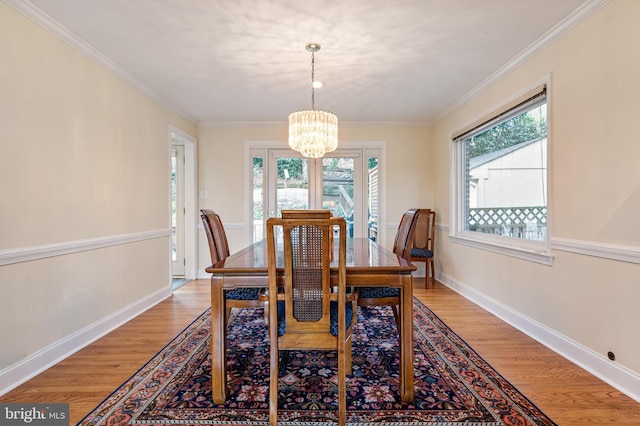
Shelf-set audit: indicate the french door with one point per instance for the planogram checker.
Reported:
(340, 181)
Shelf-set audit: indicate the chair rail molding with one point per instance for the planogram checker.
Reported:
(26, 254)
(622, 253)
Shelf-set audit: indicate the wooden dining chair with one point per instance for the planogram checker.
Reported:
(311, 312)
(299, 214)
(219, 251)
(388, 296)
(423, 239)
(321, 214)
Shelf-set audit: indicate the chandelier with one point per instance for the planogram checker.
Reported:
(313, 133)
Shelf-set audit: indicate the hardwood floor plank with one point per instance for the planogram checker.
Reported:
(565, 392)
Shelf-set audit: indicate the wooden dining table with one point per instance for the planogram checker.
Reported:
(368, 264)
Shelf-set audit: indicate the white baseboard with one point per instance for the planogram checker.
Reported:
(621, 378)
(18, 373)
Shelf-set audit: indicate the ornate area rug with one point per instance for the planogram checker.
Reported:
(453, 384)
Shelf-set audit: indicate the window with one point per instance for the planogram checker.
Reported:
(501, 180)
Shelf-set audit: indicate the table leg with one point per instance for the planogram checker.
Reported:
(406, 346)
(218, 341)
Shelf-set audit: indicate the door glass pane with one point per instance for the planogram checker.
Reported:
(258, 198)
(337, 186)
(372, 196)
(292, 184)
(337, 189)
(177, 211)
(174, 200)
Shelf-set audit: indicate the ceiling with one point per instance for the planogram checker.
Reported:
(244, 61)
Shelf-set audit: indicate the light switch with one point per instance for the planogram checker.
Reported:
(203, 195)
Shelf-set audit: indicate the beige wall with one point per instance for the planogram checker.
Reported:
(595, 189)
(85, 158)
(84, 164)
(221, 171)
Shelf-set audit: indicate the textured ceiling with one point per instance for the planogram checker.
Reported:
(230, 61)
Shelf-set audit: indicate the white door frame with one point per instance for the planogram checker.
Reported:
(379, 146)
(179, 137)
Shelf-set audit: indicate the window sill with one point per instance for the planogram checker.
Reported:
(532, 254)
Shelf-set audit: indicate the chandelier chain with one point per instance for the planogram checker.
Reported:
(313, 133)
(313, 91)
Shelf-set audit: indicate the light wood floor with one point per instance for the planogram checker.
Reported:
(565, 392)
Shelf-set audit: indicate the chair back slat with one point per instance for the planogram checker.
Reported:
(306, 214)
(216, 235)
(404, 234)
(307, 275)
(213, 251)
(310, 214)
(422, 247)
(425, 229)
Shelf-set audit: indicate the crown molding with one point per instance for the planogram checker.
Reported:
(388, 123)
(579, 15)
(202, 124)
(417, 124)
(40, 18)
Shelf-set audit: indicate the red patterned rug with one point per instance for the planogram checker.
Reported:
(453, 384)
